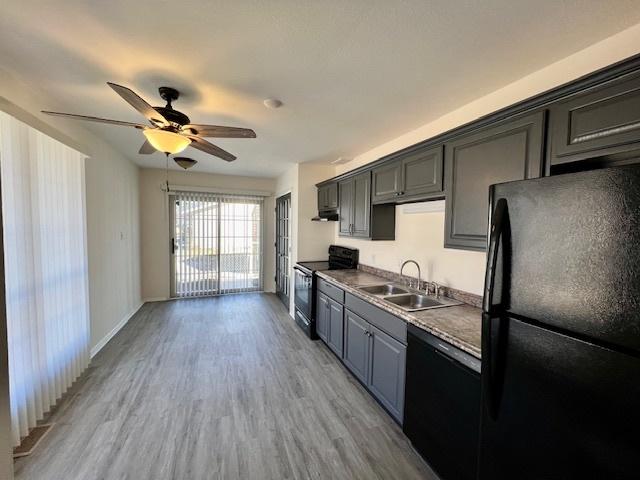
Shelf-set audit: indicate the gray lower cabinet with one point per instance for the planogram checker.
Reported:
(330, 322)
(322, 316)
(336, 327)
(387, 371)
(377, 360)
(509, 151)
(356, 345)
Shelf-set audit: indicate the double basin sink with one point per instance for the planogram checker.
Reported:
(408, 299)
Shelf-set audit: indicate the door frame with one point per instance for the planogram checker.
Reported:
(284, 298)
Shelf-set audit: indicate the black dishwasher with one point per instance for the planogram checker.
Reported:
(442, 405)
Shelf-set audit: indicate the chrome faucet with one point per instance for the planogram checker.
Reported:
(417, 266)
(436, 289)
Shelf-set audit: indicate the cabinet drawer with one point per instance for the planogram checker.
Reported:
(394, 326)
(599, 122)
(331, 291)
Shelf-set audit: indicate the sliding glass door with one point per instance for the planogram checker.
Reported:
(216, 244)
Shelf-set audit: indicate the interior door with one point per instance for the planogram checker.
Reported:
(556, 407)
(283, 246)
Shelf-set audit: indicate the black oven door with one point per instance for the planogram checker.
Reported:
(303, 291)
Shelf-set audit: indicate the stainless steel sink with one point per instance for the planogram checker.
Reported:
(384, 290)
(414, 302)
(407, 298)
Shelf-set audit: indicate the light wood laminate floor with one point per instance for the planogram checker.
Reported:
(225, 387)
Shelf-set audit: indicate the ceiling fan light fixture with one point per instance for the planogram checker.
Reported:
(165, 141)
(185, 162)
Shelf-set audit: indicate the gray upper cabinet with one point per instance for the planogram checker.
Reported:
(356, 345)
(328, 197)
(598, 122)
(358, 218)
(361, 205)
(413, 177)
(511, 150)
(387, 371)
(345, 220)
(387, 181)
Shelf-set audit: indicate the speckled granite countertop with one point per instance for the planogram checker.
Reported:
(458, 325)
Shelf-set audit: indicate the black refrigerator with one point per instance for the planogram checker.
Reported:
(561, 329)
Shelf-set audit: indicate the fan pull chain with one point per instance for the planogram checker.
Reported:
(167, 172)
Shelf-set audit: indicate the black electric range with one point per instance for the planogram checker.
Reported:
(340, 258)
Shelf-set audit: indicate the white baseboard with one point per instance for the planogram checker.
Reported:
(100, 345)
(154, 299)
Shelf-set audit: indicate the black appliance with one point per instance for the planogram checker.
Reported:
(340, 258)
(442, 404)
(561, 328)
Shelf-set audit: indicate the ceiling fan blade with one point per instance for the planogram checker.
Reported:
(95, 119)
(137, 102)
(218, 131)
(210, 148)
(146, 148)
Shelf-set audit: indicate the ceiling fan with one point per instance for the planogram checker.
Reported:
(170, 131)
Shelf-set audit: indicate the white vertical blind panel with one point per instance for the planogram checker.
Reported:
(46, 272)
(218, 242)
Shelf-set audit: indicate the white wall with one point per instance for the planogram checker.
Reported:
(154, 223)
(112, 208)
(313, 238)
(309, 240)
(421, 236)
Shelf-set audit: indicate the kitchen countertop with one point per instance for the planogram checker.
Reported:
(458, 325)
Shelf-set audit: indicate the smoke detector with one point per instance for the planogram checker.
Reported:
(272, 103)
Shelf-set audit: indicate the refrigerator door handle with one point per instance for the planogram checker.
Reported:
(491, 326)
(497, 228)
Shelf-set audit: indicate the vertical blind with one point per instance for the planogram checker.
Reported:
(46, 275)
(217, 243)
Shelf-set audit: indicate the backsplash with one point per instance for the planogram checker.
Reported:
(462, 296)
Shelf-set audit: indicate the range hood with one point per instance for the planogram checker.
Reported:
(328, 216)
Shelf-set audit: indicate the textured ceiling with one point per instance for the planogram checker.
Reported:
(352, 74)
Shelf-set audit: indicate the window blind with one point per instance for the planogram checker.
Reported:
(46, 274)
(217, 243)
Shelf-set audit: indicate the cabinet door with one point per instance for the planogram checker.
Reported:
(510, 151)
(322, 316)
(356, 345)
(386, 182)
(322, 198)
(386, 372)
(598, 122)
(345, 190)
(422, 174)
(332, 196)
(328, 197)
(362, 205)
(336, 327)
